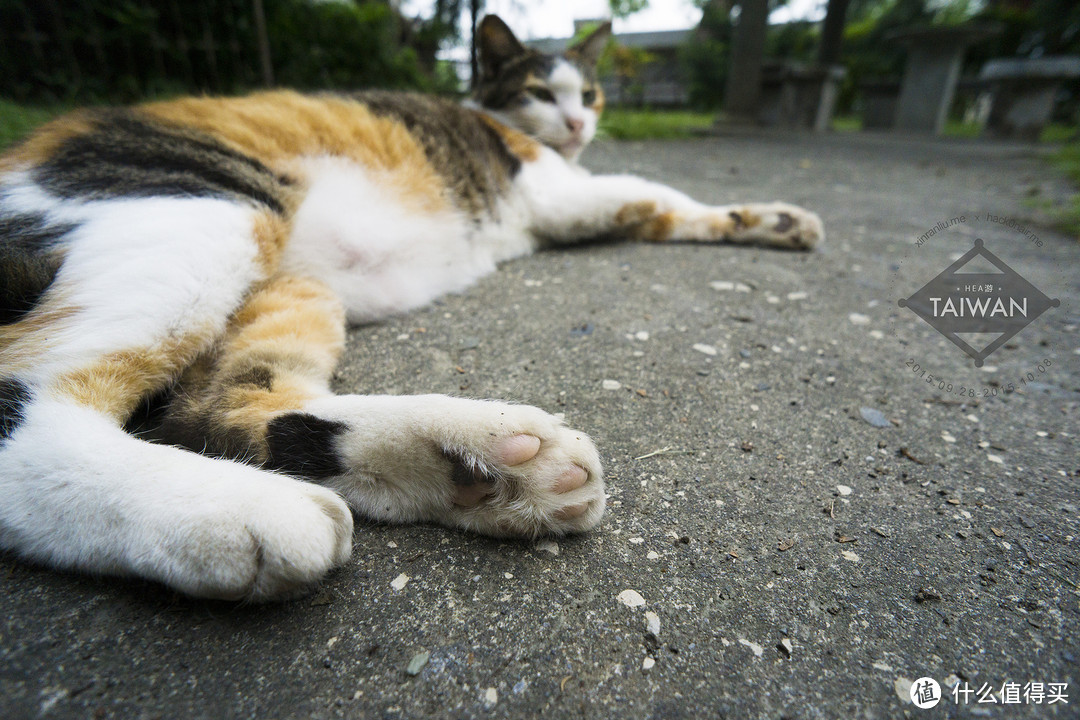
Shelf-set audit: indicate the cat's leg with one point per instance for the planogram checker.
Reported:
(491, 467)
(567, 205)
(122, 319)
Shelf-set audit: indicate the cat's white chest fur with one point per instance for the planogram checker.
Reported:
(355, 232)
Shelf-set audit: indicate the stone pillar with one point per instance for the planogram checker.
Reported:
(935, 56)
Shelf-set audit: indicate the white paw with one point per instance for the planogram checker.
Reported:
(491, 467)
(785, 225)
(261, 537)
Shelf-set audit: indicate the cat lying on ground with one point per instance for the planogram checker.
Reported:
(214, 249)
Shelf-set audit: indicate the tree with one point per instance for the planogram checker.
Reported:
(747, 52)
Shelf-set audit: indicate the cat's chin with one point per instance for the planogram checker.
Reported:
(570, 149)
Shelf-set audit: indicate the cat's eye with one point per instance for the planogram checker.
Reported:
(542, 94)
(588, 97)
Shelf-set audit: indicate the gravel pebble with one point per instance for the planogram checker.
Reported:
(874, 417)
(631, 598)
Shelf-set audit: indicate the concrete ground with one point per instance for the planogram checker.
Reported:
(810, 524)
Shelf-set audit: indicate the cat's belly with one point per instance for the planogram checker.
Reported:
(381, 251)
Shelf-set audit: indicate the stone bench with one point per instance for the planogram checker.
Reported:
(1023, 91)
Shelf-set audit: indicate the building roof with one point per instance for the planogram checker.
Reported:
(657, 40)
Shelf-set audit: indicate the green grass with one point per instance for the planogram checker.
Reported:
(16, 120)
(623, 124)
(1067, 159)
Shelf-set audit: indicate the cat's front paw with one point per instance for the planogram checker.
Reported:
(781, 225)
(256, 537)
(490, 467)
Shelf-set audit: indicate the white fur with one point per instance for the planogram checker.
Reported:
(79, 492)
(140, 271)
(380, 256)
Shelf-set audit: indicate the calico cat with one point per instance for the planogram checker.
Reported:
(214, 249)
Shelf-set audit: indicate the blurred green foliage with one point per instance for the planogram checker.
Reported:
(122, 50)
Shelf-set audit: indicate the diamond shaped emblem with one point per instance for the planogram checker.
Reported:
(983, 302)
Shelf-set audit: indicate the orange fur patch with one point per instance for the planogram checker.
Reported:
(271, 232)
(517, 142)
(635, 213)
(277, 127)
(643, 221)
(659, 228)
(280, 347)
(117, 383)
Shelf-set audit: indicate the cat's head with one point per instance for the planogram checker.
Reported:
(553, 98)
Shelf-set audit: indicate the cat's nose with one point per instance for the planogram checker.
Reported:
(575, 125)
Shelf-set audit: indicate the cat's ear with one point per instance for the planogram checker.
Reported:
(496, 45)
(588, 50)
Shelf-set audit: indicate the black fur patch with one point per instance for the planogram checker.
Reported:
(14, 396)
(28, 262)
(127, 155)
(466, 152)
(465, 474)
(507, 88)
(304, 446)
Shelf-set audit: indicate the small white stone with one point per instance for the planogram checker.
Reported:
(848, 555)
(647, 664)
(641, 335)
(652, 623)
(797, 295)
(788, 646)
(400, 581)
(989, 368)
(611, 384)
(877, 334)
(548, 546)
(947, 437)
(636, 540)
(631, 598)
(902, 686)
(703, 348)
(391, 544)
(882, 667)
(858, 319)
(754, 407)
(754, 647)
(984, 444)
(508, 576)
(491, 696)
(972, 418)
(1042, 433)
(722, 285)
(403, 336)
(653, 555)
(844, 490)
(772, 299)
(831, 379)
(994, 458)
